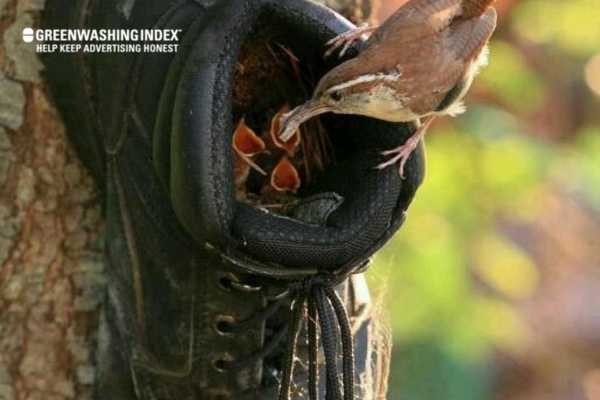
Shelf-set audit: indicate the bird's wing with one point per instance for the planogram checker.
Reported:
(423, 51)
(433, 64)
(413, 20)
(466, 38)
(458, 48)
(459, 52)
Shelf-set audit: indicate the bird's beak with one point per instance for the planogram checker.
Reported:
(292, 120)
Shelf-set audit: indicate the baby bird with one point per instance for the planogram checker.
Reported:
(418, 64)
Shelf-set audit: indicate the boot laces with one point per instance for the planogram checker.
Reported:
(316, 303)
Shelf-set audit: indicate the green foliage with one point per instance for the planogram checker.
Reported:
(429, 373)
(454, 274)
(571, 26)
(511, 80)
(584, 156)
(451, 236)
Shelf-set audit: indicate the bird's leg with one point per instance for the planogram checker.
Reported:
(401, 153)
(347, 38)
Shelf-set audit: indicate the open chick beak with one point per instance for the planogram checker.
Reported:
(292, 120)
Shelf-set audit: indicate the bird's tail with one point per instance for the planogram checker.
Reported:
(474, 8)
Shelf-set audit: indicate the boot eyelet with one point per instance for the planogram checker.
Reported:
(231, 282)
(244, 287)
(225, 283)
(222, 362)
(223, 325)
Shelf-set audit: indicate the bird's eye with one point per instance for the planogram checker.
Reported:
(336, 96)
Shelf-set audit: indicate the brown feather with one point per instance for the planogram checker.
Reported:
(418, 64)
(474, 8)
(432, 52)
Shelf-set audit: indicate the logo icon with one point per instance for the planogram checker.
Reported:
(28, 35)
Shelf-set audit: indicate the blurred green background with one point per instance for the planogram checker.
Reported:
(493, 283)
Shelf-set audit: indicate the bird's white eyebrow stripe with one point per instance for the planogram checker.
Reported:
(387, 77)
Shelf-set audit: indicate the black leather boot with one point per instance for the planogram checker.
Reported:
(209, 297)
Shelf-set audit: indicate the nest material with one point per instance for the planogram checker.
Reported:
(269, 173)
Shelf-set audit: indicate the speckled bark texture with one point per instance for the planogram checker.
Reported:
(51, 281)
(51, 264)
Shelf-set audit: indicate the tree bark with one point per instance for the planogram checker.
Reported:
(51, 263)
(51, 281)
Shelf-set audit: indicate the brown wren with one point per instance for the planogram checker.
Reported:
(418, 64)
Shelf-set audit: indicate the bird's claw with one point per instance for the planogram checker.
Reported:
(403, 152)
(346, 39)
(402, 158)
(400, 154)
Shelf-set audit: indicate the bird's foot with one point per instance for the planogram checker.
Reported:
(347, 38)
(401, 153)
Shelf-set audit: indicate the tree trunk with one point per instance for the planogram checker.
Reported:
(50, 233)
(51, 265)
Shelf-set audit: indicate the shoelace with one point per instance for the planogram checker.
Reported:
(268, 348)
(318, 303)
